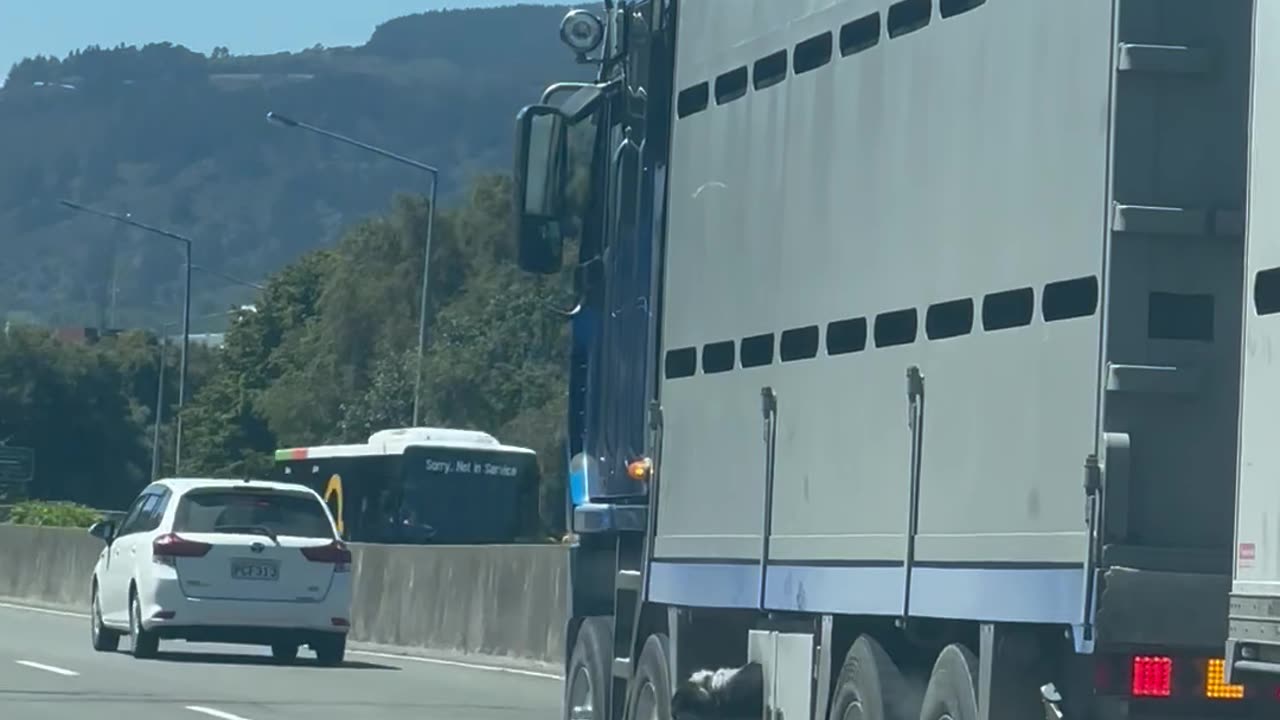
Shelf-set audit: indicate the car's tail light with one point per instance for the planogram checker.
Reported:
(335, 552)
(167, 548)
(1152, 676)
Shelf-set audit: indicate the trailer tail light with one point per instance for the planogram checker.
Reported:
(1152, 676)
(335, 552)
(167, 548)
(1215, 684)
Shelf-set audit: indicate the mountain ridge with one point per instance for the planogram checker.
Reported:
(179, 139)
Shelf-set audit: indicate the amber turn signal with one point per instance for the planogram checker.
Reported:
(638, 470)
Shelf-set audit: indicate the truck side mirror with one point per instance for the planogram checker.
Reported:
(539, 192)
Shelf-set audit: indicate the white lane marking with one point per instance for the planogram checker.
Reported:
(46, 611)
(214, 713)
(456, 663)
(48, 668)
(370, 653)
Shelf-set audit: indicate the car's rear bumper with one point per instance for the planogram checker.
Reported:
(243, 634)
(170, 613)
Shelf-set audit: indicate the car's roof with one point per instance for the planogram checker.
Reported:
(184, 484)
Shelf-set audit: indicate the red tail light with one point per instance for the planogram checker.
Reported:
(167, 547)
(335, 552)
(1152, 676)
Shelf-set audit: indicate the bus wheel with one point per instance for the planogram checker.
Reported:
(588, 676)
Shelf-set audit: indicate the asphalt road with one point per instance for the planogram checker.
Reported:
(48, 671)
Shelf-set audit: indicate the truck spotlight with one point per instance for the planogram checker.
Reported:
(581, 31)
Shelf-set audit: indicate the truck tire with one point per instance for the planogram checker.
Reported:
(649, 693)
(586, 687)
(953, 686)
(870, 686)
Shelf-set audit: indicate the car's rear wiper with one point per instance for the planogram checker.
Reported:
(257, 529)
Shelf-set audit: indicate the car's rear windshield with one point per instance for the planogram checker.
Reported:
(238, 511)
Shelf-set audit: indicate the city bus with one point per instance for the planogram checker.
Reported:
(422, 485)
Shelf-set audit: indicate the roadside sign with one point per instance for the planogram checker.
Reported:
(17, 465)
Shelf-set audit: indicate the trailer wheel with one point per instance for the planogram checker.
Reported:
(649, 694)
(870, 686)
(586, 687)
(953, 687)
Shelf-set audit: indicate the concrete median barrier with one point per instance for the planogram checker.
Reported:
(501, 601)
(47, 566)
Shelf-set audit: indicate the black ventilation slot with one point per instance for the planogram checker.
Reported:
(1266, 292)
(1070, 299)
(1008, 309)
(949, 319)
(757, 350)
(693, 100)
(812, 53)
(770, 70)
(909, 16)
(681, 363)
(799, 344)
(951, 8)
(861, 34)
(731, 85)
(847, 336)
(717, 357)
(898, 327)
(1173, 316)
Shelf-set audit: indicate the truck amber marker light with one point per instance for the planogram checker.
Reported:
(1215, 685)
(639, 470)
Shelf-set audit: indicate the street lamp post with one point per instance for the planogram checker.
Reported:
(186, 307)
(426, 254)
(158, 416)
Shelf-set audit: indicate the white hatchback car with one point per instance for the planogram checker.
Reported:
(223, 561)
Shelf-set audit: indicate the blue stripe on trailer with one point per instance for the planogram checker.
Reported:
(1010, 594)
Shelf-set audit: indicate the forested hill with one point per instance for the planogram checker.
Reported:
(179, 139)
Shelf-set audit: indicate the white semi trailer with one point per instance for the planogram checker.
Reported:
(1253, 647)
(907, 353)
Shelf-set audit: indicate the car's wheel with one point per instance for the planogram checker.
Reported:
(284, 652)
(145, 642)
(330, 650)
(104, 638)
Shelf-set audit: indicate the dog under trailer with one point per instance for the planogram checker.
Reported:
(906, 367)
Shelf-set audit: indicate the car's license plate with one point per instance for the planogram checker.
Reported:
(254, 570)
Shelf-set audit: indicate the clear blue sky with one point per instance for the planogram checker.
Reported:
(56, 27)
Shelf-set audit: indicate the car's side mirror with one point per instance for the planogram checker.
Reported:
(539, 188)
(104, 530)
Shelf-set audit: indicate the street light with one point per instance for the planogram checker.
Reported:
(288, 122)
(186, 307)
(158, 417)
